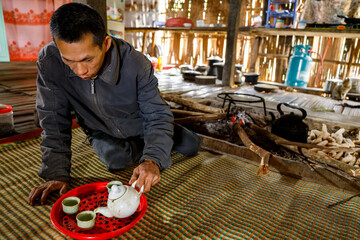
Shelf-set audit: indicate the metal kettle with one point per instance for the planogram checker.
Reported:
(290, 126)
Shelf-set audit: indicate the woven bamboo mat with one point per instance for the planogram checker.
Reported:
(198, 198)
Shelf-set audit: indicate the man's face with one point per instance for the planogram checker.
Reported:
(84, 57)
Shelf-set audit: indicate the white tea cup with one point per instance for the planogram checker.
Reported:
(70, 205)
(86, 219)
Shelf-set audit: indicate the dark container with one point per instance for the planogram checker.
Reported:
(290, 126)
(251, 78)
(190, 75)
(220, 67)
(212, 70)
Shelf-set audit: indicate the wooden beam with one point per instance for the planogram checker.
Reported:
(254, 53)
(231, 39)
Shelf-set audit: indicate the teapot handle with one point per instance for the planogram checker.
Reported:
(304, 114)
(141, 189)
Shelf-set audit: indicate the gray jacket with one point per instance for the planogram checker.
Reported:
(123, 101)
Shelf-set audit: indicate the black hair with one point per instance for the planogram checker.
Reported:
(71, 21)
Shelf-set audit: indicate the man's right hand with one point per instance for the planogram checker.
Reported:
(45, 189)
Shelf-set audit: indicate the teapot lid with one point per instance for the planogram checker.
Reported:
(116, 191)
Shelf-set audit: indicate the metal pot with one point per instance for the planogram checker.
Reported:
(251, 77)
(190, 75)
(350, 20)
(331, 84)
(355, 85)
(290, 126)
(212, 70)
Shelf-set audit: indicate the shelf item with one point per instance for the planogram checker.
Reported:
(273, 12)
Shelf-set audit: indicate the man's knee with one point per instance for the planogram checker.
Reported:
(117, 154)
(186, 141)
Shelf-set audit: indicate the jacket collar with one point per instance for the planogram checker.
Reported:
(109, 72)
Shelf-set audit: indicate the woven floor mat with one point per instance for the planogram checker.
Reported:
(198, 198)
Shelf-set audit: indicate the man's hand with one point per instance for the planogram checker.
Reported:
(147, 174)
(45, 189)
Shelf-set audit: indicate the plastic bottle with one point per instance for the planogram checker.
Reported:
(159, 64)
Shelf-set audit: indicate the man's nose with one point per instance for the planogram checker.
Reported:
(81, 69)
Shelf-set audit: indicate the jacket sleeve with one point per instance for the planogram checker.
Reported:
(157, 118)
(55, 120)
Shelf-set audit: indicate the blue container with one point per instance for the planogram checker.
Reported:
(298, 72)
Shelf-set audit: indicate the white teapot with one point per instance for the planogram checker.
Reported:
(122, 201)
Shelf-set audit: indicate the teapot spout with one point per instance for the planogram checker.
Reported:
(104, 211)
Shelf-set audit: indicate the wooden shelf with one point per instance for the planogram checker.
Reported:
(256, 31)
(263, 31)
(178, 29)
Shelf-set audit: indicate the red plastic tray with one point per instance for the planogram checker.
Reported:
(93, 195)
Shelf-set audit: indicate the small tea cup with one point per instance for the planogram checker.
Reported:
(110, 184)
(70, 205)
(86, 219)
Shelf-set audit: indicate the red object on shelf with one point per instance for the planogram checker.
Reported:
(177, 22)
(93, 195)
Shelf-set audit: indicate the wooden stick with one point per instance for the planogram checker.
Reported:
(309, 145)
(262, 153)
(327, 162)
(201, 118)
(187, 113)
(191, 104)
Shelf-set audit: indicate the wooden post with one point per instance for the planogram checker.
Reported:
(145, 33)
(254, 53)
(231, 39)
(98, 5)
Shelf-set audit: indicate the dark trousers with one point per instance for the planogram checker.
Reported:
(120, 154)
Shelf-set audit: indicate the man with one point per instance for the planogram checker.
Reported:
(113, 92)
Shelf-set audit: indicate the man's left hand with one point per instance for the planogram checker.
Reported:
(147, 174)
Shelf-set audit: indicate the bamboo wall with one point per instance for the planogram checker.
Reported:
(341, 55)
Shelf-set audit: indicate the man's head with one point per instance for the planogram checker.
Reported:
(79, 33)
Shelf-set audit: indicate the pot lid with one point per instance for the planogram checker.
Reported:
(251, 74)
(117, 191)
(219, 64)
(190, 72)
(212, 57)
(5, 108)
(334, 80)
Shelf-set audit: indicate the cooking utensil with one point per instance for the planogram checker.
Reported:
(251, 77)
(350, 20)
(190, 75)
(265, 88)
(212, 71)
(331, 84)
(355, 88)
(290, 126)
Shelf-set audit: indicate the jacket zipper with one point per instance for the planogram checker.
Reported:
(96, 104)
(92, 86)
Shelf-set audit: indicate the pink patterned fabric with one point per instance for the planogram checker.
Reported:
(27, 26)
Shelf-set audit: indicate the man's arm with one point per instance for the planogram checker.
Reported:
(157, 119)
(158, 129)
(55, 119)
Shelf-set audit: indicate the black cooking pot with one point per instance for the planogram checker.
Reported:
(212, 70)
(350, 20)
(251, 77)
(290, 126)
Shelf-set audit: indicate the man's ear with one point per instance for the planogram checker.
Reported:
(107, 42)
